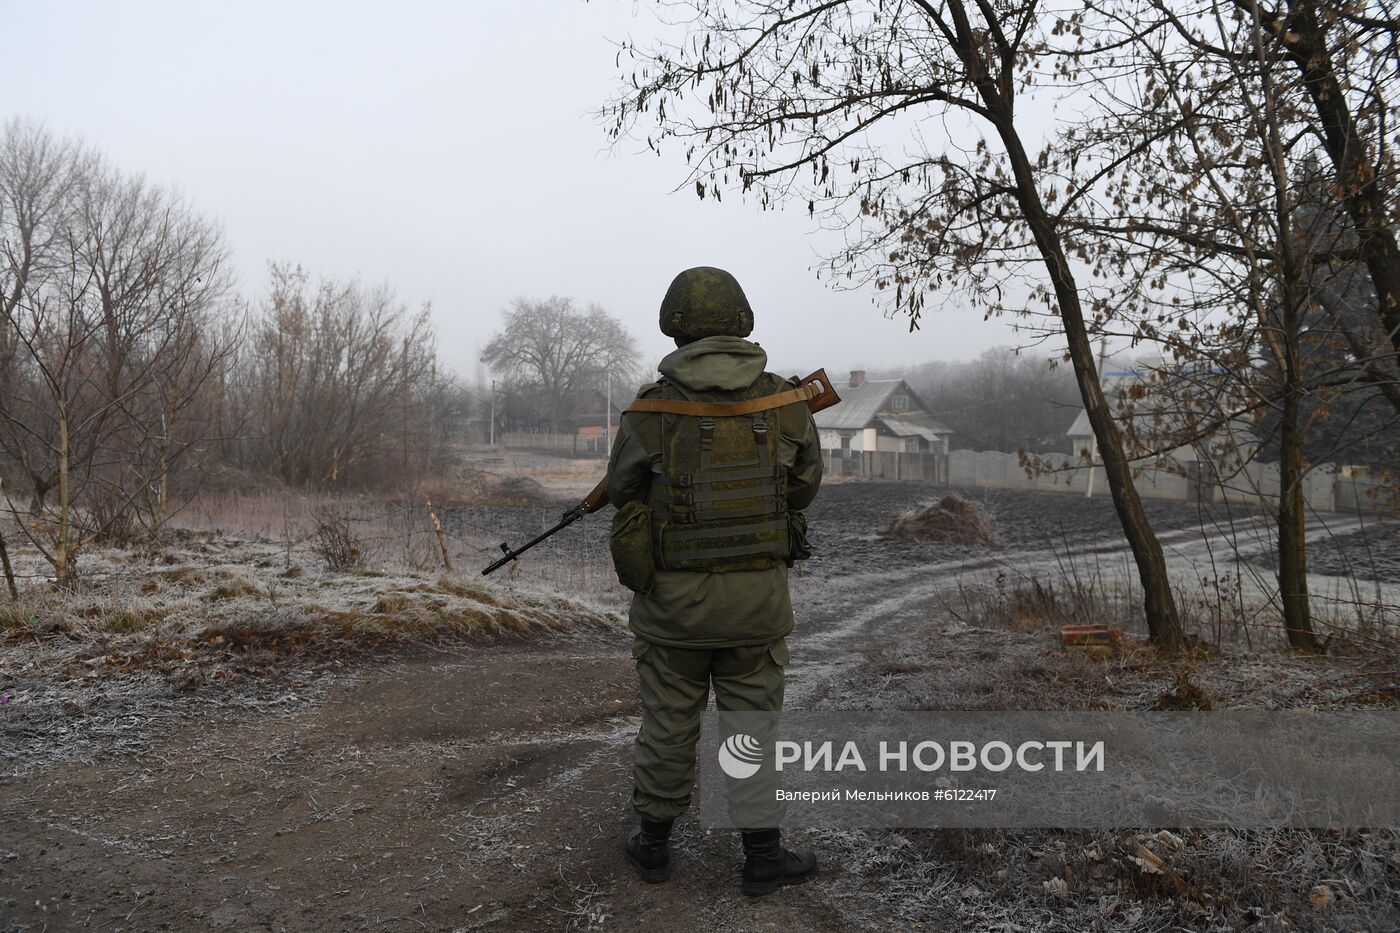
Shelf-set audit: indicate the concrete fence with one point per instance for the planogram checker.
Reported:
(887, 464)
(582, 446)
(1361, 494)
(1255, 484)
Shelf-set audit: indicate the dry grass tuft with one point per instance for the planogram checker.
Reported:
(1034, 605)
(477, 592)
(1185, 695)
(181, 574)
(393, 603)
(233, 586)
(131, 618)
(18, 618)
(40, 615)
(397, 618)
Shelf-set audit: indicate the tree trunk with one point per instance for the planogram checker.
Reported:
(9, 571)
(63, 556)
(1306, 41)
(1159, 605)
(1292, 553)
(997, 93)
(1292, 550)
(163, 498)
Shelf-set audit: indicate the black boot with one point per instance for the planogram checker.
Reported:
(648, 850)
(768, 866)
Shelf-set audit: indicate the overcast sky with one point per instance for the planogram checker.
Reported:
(449, 149)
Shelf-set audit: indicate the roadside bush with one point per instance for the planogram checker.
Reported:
(335, 543)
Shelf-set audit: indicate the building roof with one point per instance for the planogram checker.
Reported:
(1080, 428)
(596, 399)
(860, 404)
(1237, 431)
(913, 425)
(1145, 419)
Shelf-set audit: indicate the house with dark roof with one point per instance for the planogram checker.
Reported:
(880, 414)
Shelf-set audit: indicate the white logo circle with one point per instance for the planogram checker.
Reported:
(740, 756)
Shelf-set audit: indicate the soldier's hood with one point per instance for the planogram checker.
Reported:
(715, 363)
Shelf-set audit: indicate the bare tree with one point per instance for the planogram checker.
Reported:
(783, 100)
(109, 285)
(554, 350)
(159, 275)
(38, 177)
(336, 385)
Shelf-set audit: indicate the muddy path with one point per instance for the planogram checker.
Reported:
(478, 790)
(487, 787)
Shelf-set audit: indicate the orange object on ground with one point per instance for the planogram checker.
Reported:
(1096, 640)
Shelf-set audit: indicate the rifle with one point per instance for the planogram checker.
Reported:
(815, 390)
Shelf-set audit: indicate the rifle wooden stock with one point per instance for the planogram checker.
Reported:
(596, 499)
(823, 399)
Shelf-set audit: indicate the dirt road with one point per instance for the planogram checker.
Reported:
(471, 791)
(486, 787)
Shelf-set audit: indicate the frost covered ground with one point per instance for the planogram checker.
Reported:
(226, 734)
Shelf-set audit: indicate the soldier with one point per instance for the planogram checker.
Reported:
(708, 522)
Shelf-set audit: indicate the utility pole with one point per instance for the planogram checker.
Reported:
(493, 413)
(607, 419)
(1094, 440)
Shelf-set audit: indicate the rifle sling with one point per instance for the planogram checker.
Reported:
(668, 406)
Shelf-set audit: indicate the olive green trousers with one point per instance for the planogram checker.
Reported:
(675, 687)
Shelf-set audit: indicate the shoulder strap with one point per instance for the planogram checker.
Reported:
(725, 409)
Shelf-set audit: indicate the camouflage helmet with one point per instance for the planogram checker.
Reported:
(705, 302)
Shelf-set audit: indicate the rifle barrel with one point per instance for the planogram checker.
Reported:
(512, 553)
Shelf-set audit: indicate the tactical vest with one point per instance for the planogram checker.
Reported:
(718, 496)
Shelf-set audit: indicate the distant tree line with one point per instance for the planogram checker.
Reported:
(1001, 400)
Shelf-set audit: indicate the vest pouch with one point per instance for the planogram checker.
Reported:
(630, 544)
(719, 492)
(798, 546)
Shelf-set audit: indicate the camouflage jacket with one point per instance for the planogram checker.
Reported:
(696, 609)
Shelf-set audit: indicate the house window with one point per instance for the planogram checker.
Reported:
(911, 445)
(899, 403)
